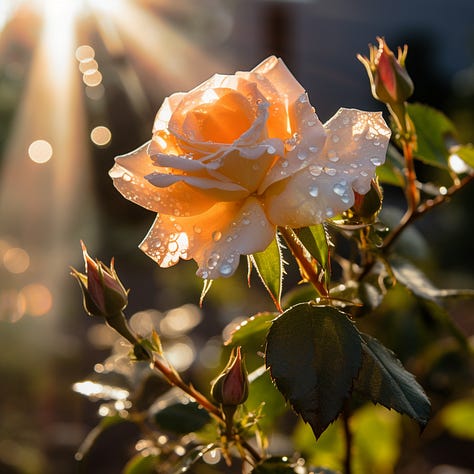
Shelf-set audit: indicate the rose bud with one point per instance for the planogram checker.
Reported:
(389, 79)
(104, 294)
(230, 388)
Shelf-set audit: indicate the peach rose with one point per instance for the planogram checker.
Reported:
(238, 156)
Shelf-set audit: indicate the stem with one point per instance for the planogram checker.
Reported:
(308, 269)
(348, 438)
(174, 379)
(422, 209)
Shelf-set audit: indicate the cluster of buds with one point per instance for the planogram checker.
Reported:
(389, 79)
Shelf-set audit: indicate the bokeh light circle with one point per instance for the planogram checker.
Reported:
(85, 52)
(40, 151)
(101, 136)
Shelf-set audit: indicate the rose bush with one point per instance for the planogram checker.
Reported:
(238, 156)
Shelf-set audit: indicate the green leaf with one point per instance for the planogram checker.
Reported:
(141, 464)
(391, 172)
(182, 418)
(299, 294)
(466, 153)
(314, 353)
(269, 265)
(384, 380)
(432, 130)
(315, 240)
(252, 331)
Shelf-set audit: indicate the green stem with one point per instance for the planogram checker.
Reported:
(308, 269)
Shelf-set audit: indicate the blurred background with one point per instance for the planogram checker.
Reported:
(80, 82)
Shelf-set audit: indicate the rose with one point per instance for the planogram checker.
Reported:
(240, 155)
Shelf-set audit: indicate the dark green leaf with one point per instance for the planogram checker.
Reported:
(391, 172)
(315, 240)
(182, 418)
(252, 331)
(141, 464)
(466, 153)
(314, 353)
(299, 294)
(384, 380)
(433, 131)
(269, 265)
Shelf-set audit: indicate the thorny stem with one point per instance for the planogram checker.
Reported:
(174, 379)
(408, 218)
(308, 268)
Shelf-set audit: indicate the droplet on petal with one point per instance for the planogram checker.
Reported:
(216, 236)
(315, 170)
(330, 171)
(225, 269)
(335, 138)
(376, 161)
(302, 155)
(339, 189)
(313, 191)
(313, 149)
(197, 229)
(271, 150)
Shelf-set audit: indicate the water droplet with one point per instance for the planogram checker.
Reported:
(313, 149)
(290, 146)
(364, 173)
(339, 189)
(376, 161)
(173, 247)
(315, 170)
(126, 177)
(212, 261)
(303, 98)
(271, 150)
(197, 229)
(225, 269)
(246, 221)
(204, 274)
(284, 163)
(216, 236)
(335, 138)
(313, 191)
(329, 212)
(345, 199)
(354, 165)
(376, 142)
(334, 159)
(330, 171)
(144, 246)
(346, 120)
(176, 212)
(311, 123)
(302, 155)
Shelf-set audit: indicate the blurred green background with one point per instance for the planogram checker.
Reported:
(80, 82)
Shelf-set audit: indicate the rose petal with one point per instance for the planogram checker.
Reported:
(129, 177)
(164, 113)
(214, 239)
(355, 145)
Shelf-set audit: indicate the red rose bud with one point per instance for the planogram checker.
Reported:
(103, 293)
(230, 388)
(389, 79)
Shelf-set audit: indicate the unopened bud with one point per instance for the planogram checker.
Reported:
(103, 293)
(230, 388)
(389, 79)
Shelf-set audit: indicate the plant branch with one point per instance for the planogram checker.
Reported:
(308, 268)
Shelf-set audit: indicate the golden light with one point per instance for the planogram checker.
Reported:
(38, 299)
(85, 53)
(88, 66)
(101, 135)
(16, 260)
(92, 79)
(40, 151)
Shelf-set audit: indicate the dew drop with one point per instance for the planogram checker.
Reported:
(345, 120)
(335, 138)
(313, 191)
(345, 199)
(364, 174)
(329, 212)
(330, 171)
(204, 274)
(354, 165)
(216, 236)
(302, 155)
(225, 269)
(126, 177)
(311, 123)
(284, 164)
(197, 229)
(212, 261)
(173, 247)
(339, 189)
(334, 158)
(303, 98)
(313, 149)
(376, 161)
(315, 170)
(376, 142)
(246, 221)
(271, 150)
